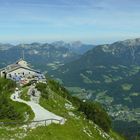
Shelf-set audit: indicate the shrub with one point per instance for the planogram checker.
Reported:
(97, 114)
(42, 88)
(7, 110)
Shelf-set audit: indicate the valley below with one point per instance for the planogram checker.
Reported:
(116, 88)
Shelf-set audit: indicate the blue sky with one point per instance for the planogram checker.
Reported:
(90, 21)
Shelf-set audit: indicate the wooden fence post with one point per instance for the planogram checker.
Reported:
(45, 122)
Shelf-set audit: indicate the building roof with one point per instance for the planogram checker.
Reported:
(10, 70)
(19, 64)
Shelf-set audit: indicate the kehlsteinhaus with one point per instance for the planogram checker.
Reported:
(21, 73)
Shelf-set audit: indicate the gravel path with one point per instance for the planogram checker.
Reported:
(40, 112)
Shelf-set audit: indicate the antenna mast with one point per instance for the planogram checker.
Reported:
(23, 55)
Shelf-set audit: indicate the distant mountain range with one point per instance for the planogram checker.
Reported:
(43, 56)
(109, 74)
(77, 46)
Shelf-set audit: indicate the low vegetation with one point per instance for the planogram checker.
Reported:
(24, 94)
(9, 110)
(42, 88)
(97, 114)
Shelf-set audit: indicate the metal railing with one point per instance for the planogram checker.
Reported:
(31, 122)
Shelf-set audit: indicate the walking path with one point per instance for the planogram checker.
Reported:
(40, 112)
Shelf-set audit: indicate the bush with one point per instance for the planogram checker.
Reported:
(63, 92)
(7, 110)
(42, 88)
(97, 114)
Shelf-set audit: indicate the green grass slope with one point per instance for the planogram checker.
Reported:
(77, 127)
(55, 99)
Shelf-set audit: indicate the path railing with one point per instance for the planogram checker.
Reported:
(43, 122)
